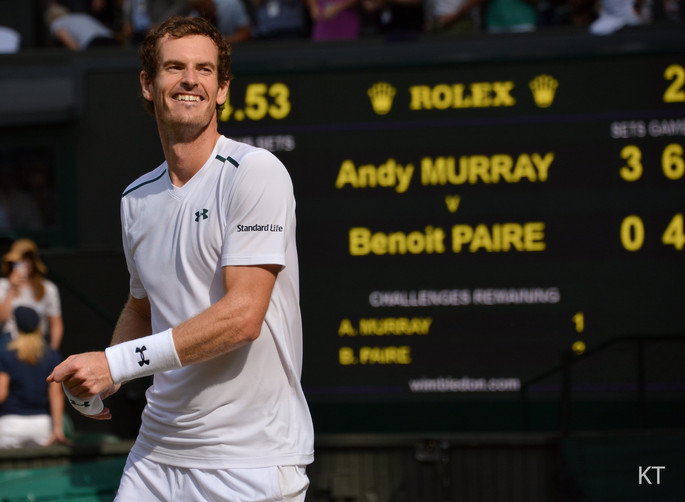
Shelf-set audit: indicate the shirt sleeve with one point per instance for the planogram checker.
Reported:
(260, 212)
(135, 284)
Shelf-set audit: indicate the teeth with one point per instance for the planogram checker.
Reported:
(186, 97)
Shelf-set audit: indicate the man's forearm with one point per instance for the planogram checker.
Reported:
(134, 321)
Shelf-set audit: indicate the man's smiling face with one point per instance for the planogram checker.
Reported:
(186, 89)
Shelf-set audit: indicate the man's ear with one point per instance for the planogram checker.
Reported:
(146, 86)
(222, 93)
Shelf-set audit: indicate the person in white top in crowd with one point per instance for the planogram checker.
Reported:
(209, 240)
(24, 283)
(10, 40)
(616, 14)
(77, 30)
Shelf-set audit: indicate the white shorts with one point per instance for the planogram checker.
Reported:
(149, 481)
(20, 431)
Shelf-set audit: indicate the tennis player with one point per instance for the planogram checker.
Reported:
(213, 311)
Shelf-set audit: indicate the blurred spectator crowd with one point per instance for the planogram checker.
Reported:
(80, 24)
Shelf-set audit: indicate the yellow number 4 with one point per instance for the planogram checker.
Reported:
(674, 235)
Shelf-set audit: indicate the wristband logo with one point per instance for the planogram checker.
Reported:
(84, 404)
(141, 350)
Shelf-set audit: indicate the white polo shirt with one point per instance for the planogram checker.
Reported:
(245, 408)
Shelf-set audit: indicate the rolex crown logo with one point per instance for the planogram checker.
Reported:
(381, 94)
(544, 87)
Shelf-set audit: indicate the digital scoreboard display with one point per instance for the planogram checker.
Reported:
(461, 226)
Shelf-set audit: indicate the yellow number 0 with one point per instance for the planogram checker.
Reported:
(632, 233)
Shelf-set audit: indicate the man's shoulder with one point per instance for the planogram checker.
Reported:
(146, 179)
(241, 154)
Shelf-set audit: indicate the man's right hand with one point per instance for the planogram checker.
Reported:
(84, 376)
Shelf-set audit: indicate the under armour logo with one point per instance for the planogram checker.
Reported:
(202, 213)
(140, 351)
(85, 404)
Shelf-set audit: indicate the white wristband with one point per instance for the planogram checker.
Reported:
(142, 357)
(92, 406)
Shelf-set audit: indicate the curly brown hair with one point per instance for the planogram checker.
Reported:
(179, 27)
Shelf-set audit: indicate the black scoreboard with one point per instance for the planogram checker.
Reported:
(461, 225)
